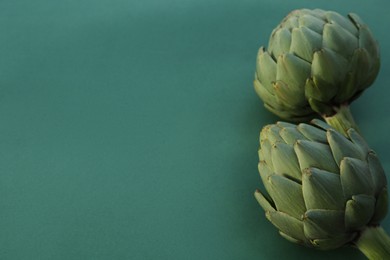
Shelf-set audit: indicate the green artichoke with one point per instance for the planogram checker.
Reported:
(317, 62)
(325, 189)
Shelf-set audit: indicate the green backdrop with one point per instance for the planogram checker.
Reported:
(129, 129)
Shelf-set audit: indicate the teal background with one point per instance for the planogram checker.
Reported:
(129, 129)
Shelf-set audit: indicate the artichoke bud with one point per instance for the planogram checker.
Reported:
(316, 61)
(323, 188)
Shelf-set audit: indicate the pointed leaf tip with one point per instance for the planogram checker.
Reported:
(342, 147)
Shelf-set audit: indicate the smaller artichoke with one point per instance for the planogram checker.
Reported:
(317, 62)
(326, 190)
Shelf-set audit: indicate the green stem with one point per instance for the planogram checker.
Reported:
(342, 120)
(374, 243)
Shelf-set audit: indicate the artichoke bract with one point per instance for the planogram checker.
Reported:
(325, 190)
(317, 62)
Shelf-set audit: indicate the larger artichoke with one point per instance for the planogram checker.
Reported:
(325, 190)
(317, 62)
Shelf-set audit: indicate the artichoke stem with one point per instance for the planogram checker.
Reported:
(342, 120)
(374, 243)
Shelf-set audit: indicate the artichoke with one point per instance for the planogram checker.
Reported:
(326, 190)
(317, 62)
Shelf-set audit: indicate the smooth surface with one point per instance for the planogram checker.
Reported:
(129, 129)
